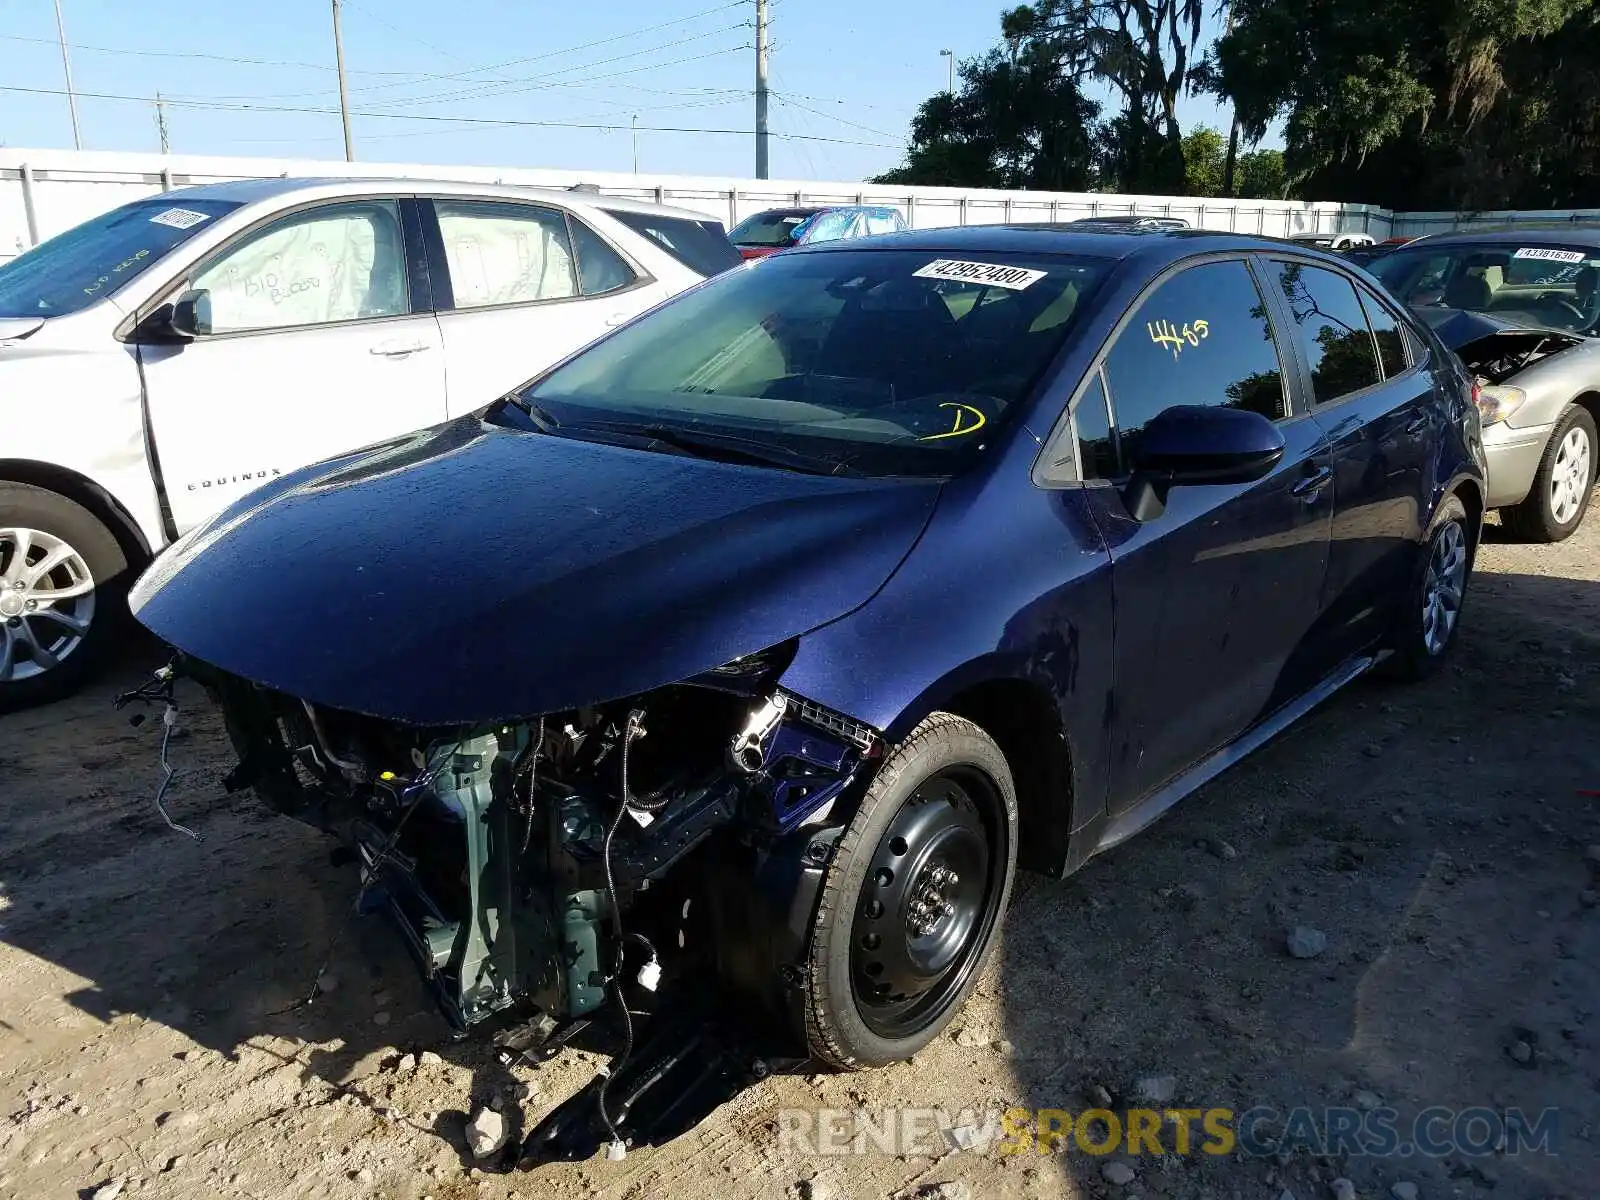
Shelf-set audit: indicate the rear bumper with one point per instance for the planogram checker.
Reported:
(1513, 459)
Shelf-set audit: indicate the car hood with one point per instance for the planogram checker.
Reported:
(1457, 327)
(473, 572)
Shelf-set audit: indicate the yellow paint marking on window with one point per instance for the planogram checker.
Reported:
(1165, 333)
(961, 428)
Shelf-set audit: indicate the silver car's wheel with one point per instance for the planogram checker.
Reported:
(1556, 503)
(1572, 476)
(1443, 583)
(47, 597)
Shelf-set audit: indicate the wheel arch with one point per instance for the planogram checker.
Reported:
(1022, 717)
(1589, 401)
(84, 491)
(1470, 493)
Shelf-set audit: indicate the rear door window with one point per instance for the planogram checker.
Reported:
(1201, 337)
(1392, 357)
(505, 253)
(1332, 329)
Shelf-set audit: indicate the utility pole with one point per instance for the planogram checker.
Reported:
(161, 122)
(761, 89)
(635, 143)
(344, 98)
(66, 69)
(950, 86)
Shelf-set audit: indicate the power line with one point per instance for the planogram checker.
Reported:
(395, 29)
(439, 118)
(514, 87)
(225, 58)
(792, 103)
(405, 78)
(515, 62)
(594, 81)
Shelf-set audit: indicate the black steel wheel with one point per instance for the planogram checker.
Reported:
(914, 897)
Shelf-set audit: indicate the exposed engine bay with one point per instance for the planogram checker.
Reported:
(1501, 356)
(563, 870)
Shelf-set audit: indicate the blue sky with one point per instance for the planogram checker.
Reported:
(846, 77)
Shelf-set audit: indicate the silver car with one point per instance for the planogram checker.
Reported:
(1522, 309)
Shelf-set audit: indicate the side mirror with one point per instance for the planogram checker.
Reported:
(191, 314)
(1193, 444)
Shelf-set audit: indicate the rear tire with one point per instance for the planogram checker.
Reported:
(1429, 617)
(1563, 484)
(58, 627)
(913, 899)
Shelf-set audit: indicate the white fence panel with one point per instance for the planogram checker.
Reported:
(64, 187)
(1415, 224)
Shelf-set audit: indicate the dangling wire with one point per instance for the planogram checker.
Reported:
(533, 780)
(647, 804)
(169, 718)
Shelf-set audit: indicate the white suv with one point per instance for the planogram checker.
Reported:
(159, 361)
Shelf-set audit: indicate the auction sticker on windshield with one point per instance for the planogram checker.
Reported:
(1566, 256)
(993, 274)
(179, 218)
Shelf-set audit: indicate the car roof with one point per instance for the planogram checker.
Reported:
(1157, 246)
(250, 191)
(1581, 235)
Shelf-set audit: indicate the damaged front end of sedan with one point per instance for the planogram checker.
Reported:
(659, 855)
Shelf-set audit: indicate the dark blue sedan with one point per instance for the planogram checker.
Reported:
(739, 660)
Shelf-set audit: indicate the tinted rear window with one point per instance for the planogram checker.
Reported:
(699, 245)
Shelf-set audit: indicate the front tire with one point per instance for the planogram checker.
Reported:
(1430, 611)
(913, 899)
(63, 584)
(1560, 494)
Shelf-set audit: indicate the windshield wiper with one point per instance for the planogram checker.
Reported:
(729, 447)
(543, 419)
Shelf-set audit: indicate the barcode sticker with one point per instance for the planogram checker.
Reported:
(993, 274)
(179, 218)
(1566, 256)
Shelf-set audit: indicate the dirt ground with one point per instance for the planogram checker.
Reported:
(152, 1029)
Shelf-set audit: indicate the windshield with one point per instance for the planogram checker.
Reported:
(775, 227)
(1546, 284)
(74, 269)
(881, 361)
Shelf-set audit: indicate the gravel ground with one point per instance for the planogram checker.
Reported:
(153, 1032)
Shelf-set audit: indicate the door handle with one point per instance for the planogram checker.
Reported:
(1309, 488)
(399, 349)
(1417, 423)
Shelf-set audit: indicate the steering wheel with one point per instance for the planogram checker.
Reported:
(1578, 314)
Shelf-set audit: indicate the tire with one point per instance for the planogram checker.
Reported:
(1536, 519)
(1419, 651)
(47, 524)
(947, 788)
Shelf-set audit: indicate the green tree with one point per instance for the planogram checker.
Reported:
(1017, 121)
(1260, 176)
(1203, 152)
(1023, 102)
(1422, 104)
